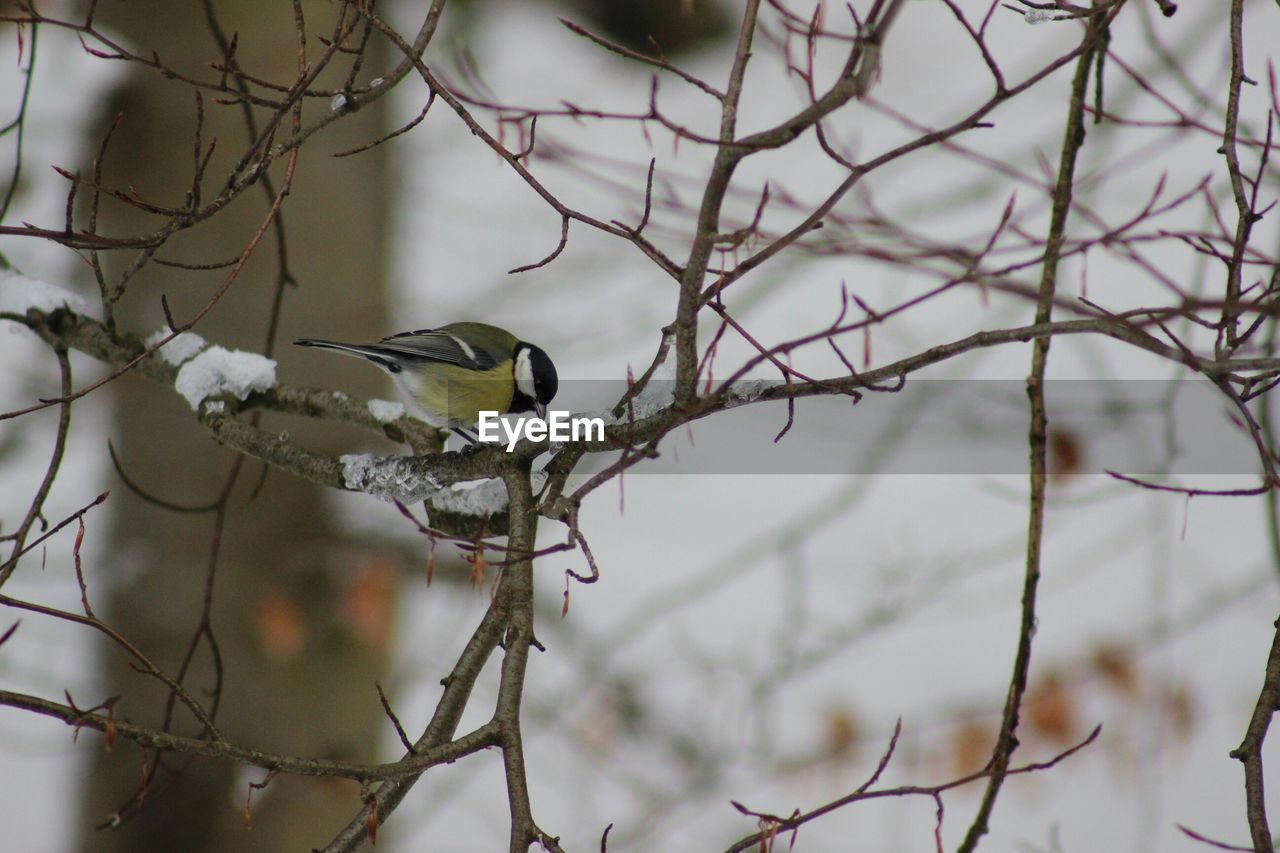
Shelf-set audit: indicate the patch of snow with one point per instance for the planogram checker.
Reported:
(19, 294)
(387, 477)
(222, 371)
(386, 411)
(750, 390)
(475, 497)
(181, 348)
(401, 478)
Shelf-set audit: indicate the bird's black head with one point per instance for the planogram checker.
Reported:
(536, 380)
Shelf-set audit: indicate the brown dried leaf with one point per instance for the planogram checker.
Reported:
(1066, 454)
(1115, 667)
(971, 745)
(281, 626)
(843, 731)
(1180, 707)
(368, 601)
(1051, 709)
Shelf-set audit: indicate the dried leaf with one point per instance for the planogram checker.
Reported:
(971, 745)
(1066, 454)
(843, 731)
(1051, 709)
(281, 626)
(1180, 708)
(368, 601)
(1115, 667)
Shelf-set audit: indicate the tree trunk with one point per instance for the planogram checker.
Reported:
(299, 662)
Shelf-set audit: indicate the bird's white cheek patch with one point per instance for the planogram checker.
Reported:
(524, 375)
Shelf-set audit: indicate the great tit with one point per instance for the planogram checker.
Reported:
(451, 374)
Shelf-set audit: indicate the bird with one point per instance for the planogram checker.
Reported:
(449, 375)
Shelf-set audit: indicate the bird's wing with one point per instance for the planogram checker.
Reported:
(439, 345)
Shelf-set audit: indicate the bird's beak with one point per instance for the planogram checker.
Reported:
(540, 409)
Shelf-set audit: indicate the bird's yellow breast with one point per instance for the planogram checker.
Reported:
(455, 395)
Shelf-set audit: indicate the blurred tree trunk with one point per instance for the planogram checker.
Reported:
(667, 26)
(300, 619)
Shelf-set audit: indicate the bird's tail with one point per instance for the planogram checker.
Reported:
(374, 353)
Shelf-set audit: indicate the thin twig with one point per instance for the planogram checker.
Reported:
(1007, 740)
